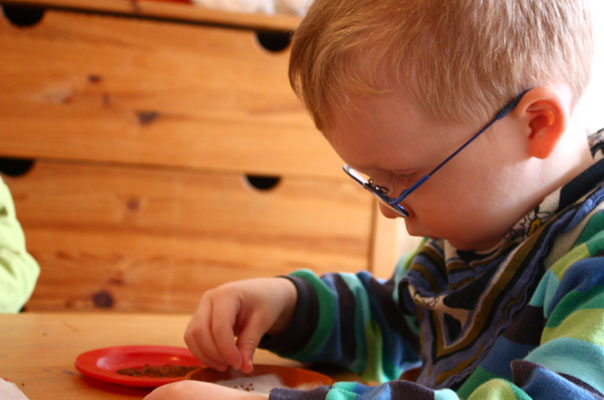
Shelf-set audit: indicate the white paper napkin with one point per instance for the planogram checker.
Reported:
(10, 391)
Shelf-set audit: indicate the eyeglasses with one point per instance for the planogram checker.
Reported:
(381, 192)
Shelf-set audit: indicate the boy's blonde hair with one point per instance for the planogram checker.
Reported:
(457, 60)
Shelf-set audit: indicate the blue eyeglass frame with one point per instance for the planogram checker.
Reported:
(394, 202)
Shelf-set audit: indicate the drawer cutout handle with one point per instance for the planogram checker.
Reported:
(23, 16)
(262, 183)
(274, 41)
(15, 167)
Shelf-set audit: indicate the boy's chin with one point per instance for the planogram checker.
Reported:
(415, 228)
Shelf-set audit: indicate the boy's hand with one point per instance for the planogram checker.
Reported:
(247, 309)
(195, 390)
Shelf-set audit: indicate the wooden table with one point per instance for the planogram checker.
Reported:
(38, 350)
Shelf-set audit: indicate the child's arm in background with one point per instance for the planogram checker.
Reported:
(18, 270)
(196, 390)
(247, 309)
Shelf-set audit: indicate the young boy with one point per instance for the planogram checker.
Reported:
(18, 269)
(458, 115)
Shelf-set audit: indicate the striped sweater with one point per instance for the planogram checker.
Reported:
(524, 320)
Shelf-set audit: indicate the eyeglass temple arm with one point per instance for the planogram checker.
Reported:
(500, 115)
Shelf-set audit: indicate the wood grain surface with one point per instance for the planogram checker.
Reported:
(154, 239)
(97, 87)
(177, 12)
(144, 120)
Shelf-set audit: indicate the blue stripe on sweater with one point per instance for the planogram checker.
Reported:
(545, 384)
(502, 354)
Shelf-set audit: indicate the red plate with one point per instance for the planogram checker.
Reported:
(102, 364)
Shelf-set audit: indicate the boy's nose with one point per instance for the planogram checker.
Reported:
(387, 211)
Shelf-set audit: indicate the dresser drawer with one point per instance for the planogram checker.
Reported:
(145, 130)
(84, 86)
(134, 238)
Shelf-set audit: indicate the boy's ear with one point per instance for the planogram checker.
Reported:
(544, 113)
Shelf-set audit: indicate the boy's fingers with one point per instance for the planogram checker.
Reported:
(248, 341)
(200, 355)
(195, 330)
(199, 338)
(224, 314)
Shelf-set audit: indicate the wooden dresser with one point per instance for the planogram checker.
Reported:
(155, 150)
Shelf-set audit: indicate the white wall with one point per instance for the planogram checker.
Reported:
(591, 107)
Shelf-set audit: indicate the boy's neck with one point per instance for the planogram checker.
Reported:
(536, 179)
(571, 157)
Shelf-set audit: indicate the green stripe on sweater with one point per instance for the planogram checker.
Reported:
(327, 315)
(579, 325)
(497, 389)
(577, 253)
(361, 314)
(478, 377)
(576, 300)
(592, 228)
